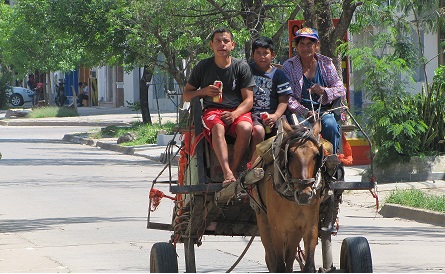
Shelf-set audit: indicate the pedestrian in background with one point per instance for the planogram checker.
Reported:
(82, 96)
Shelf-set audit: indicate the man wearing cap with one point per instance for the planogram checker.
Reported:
(314, 81)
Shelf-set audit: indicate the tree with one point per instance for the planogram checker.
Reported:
(319, 14)
(180, 30)
(401, 124)
(48, 36)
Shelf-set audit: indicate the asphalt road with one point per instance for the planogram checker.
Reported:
(71, 208)
(74, 208)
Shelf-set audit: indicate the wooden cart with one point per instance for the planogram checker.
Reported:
(202, 208)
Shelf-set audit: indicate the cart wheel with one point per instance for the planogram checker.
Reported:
(163, 258)
(355, 255)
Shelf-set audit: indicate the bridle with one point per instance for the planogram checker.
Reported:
(283, 181)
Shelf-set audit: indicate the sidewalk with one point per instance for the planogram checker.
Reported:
(102, 116)
(89, 116)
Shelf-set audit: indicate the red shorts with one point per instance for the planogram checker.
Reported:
(211, 117)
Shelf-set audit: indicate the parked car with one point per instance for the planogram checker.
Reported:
(18, 95)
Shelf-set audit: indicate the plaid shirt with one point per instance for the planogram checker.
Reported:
(294, 71)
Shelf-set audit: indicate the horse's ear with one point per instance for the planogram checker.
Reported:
(316, 127)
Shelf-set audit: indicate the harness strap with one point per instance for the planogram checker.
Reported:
(303, 181)
(260, 203)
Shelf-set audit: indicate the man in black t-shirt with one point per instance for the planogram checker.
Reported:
(226, 86)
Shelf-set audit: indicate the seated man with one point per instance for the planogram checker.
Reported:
(314, 82)
(82, 95)
(226, 86)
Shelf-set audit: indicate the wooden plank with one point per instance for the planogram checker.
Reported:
(348, 128)
(342, 185)
(159, 226)
(199, 188)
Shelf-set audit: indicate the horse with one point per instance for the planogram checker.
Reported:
(287, 199)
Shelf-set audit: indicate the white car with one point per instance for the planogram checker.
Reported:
(18, 95)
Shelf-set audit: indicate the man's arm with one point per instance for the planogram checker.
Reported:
(282, 106)
(191, 92)
(247, 104)
(334, 85)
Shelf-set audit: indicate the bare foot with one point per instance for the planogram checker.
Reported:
(228, 181)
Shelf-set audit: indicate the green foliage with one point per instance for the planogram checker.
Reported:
(61, 35)
(400, 124)
(418, 199)
(395, 128)
(44, 112)
(5, 78)
(136, 106)
(146, 134)
(431, 107)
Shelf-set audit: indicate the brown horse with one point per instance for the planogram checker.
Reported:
(288, 198)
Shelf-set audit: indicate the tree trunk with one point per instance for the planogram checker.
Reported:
(143, 95)
(317, 14)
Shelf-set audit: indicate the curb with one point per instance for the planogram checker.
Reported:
(414, 214)
(135, 151)
(104, 145)
(61, 123)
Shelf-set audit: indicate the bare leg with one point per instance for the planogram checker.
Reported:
(257, 137)
(220, 147)
(243, 133)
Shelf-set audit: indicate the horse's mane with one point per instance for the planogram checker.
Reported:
(299, 134)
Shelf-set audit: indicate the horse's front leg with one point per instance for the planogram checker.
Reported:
(291, 251)
(310, 242)
(267, 241)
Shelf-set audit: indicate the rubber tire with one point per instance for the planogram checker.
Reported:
(355, 255)
(16, 100)
(163, 258)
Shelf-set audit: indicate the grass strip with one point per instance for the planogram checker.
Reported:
(44, 112)
(418, 199)
(145, 134)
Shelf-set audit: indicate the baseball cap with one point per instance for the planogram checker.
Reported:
(306, 32)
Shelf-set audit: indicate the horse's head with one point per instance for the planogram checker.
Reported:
(299, 160)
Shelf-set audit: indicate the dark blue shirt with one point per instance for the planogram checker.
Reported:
(269, 86)
(308, 83)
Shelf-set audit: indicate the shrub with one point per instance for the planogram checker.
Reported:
(146, 134)
(400, 124)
